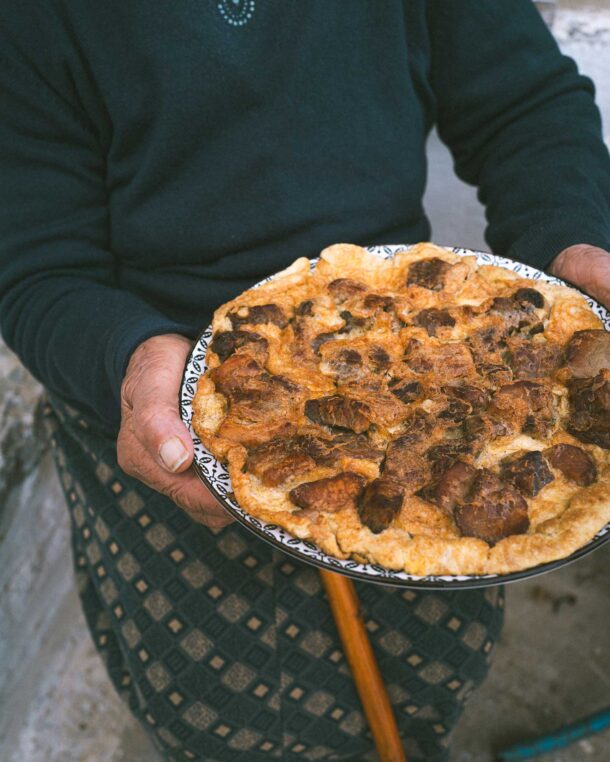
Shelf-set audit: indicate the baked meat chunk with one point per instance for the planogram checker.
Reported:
(253, 393)
(432, 319)
(262, 313)
(529, 472)
(404, 464)
(492, 510)
(342, 289)
(446, 361)
(522, 310)
(529, 359)
(379, 504)
(356, 446)
(443, 455)
(334, 493)
(406, 390)
(487, 343)
(428, 273)
(588, 352)
(451, 488)
(340, 412)
(284, 457)
(590, 409)
(573, 462)
(524, 406)
(476, 397)
(226, 343)
(417, 427)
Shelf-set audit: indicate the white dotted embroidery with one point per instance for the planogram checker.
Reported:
(236, 12)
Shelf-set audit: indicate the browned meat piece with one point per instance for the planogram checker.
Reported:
(343, 289)
(486, 343)
(236, 372)
(263, 313)
(524, 406)
(529, 472)
(251, 434)
(352, 322)
(379, 359)
(384, 409)
(533, 359)
(322, 338)
(493, 509)
(276, 460)
(379, 504)
(451, 487)
(406, 391)
(480, 429)
(477, 398)
(518, 310)
(444, 455)
(304, 309)
(253, 394)
(332, 494)
(529, 296)
(590, 409)
(345, 363)
(455, 410)
(417, 426)
(573, 462)
(228, 342)
(339, 411)
(405, 465)
(281, 458)
(541, 419)
(432, 318)
(495, 374)
(322, 450)
(588, 352)
(378, 302)
(356, 446)
(510, 404)
(446, 361)
(511, 310)
(288, 466)
(428, 273)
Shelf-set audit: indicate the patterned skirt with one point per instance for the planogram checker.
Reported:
(226, 649)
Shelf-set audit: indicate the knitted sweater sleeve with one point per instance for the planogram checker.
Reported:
(522, 125)
(61, 308)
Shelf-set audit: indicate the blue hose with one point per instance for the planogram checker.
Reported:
(559, 740)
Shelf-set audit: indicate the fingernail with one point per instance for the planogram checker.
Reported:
(173, 453)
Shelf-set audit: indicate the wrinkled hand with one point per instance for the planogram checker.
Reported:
(154, 445)
(588, 268)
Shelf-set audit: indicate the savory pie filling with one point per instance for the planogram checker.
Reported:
(420, 412)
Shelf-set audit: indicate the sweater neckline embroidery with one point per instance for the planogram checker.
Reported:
(236, 12)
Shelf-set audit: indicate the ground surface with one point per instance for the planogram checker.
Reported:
(56, 704)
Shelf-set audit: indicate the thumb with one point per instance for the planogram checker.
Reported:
(155, 418)
(165, 437)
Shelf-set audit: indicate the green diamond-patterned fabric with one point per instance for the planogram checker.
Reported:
(226, 649)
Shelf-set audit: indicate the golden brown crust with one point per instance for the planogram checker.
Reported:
(353, 328)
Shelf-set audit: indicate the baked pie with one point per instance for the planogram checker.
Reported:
(423, 412)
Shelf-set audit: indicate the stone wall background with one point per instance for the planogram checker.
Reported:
(56, 703)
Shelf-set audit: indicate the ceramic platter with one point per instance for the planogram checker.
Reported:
(216, 477)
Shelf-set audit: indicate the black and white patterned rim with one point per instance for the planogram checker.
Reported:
(216, 477)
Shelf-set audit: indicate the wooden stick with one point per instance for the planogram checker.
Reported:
(361, 658)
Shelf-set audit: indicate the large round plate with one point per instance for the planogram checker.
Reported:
(216, 477)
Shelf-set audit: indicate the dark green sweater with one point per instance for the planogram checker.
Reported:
(159, 157)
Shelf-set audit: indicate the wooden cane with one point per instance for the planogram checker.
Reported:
(345, 606)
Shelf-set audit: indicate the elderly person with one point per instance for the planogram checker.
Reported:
(159, 158)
